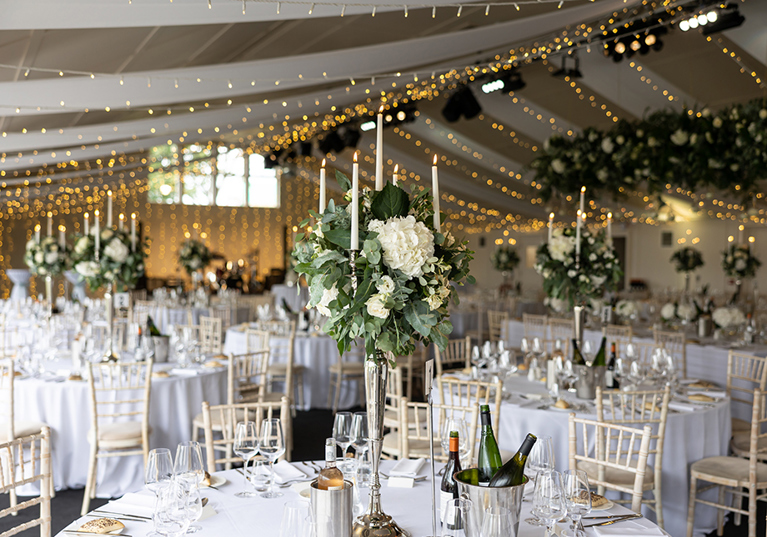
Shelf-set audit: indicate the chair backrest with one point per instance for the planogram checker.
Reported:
(256, 340)
(223, 313)
(7, 375)
(193, 331)
(643, 350)
(455, 392)
(675, 343)
(549, 345)
(757, 448)
(120, 390)
(253, 302)
(496, 320)
(140, 310)
(745, 374)
(231, 414)
(617, 333)
(563, 329)
(457, 354)
(246, 376)
(277, 328)
(638, 408)
(628, 452)
(394, 392)
(211, 334)
(535, 325)
(412, 428)
(23, 461)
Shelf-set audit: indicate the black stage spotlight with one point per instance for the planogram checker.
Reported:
(462, 102)
(565, 71)
(351, 137)
(728, 17)
(305, 149)
(331, 142)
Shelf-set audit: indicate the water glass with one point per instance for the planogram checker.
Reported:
(497, 522)
(188, 465)
(549, 498)
(458, 425)
(342, 428)
(458, 520)
(260, 475)
(245, 447)
(271, 445)
(170, 515)
(540, 459)
(159, 469)
(577, 497)
(294, 515)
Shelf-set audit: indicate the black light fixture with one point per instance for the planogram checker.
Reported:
(628, 44)
(728, 17)
(569, 72)
(461, 103)
(507, 82)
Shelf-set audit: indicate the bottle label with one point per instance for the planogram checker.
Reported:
(444, 497)
(609, 379)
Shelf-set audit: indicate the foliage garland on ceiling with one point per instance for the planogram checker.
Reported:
(695, 151)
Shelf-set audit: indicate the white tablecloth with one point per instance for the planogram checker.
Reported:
(295, 296)
(66, 406)
(317, 354)
(244, 517)
(690, 436)
(166, 316)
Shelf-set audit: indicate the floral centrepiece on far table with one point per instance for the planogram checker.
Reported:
(738, 262)
(687, 259)
(46, 257)
(627, 309)
(405, 271)
(193, 255)
(569, 282)
(728, 317)
(505, 259)
(116, 261)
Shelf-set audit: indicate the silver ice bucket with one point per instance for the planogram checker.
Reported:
(161, 348)
(332, 510)
(489, 497)
(588, 378)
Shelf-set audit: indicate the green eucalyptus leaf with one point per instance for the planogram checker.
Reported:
(340, 237)
(389, 202)
(343, 181)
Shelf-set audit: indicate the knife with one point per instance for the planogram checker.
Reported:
(603, 517)
(613, 521)
(127, 518)
(113, 513)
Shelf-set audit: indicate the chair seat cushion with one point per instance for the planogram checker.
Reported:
(741, 444)
(20, 428)
(119, 434)
(739, 425)
(618, 476)
(729, 468)
(282, 369)
(349, 368)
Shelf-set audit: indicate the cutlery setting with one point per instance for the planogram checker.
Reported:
(610, 520)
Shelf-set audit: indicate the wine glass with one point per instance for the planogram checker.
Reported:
(458, 520)
(246, 447)
(588, 352)
(342, 427)
(271, 445)
(497, 522)
(359, 432)
(170, 514)
(193, 507)
(540, 459)
(188, 465)
(159, 469)
(549, 498)
(577, 497)
(294, 518)
(538, 349)
(458, 425)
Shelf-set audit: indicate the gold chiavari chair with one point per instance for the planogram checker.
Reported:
(535, 325)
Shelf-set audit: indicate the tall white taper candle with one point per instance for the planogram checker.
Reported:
(435, 195)
(395, 175)
(37, 233)
(133, 232)
(50, 224)
(609, 229)
(97, 231)
(121, 222)
(578, 237)
(87, 225)
(62, 237)
(109, 209)
(379, 150)
(322, 188)
(355, 239)
(551, 226)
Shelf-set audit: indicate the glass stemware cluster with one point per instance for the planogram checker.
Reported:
(270, 444)
(492, 359)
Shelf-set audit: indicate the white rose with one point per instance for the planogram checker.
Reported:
(434, 302)
(620, 139)
(592, 136)
(81, 245)
(603, 174)
(39, 258)
(598, 281)
(668, 311)
(686, 312)
(608, 145)
(386, 285)
(328, 296)
(376, 306)
(51, 258)
(558, 166)
(572, 273)
(717, 122)
(407, 244)
(640, 133)
(87, 269)
(319, 232)
(680, 137)
(592, 257)
(740, 264)
(117, 251)
(31, 244)
(106, 234)
(557, 304)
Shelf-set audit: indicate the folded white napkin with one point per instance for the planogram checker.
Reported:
(682, 407)
(185, 372)
(716, 394)
(407, 468)
(284, 471)
(635, 528)
(134, 503)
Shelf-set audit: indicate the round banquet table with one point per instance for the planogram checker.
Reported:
(690, 436)
(166, 316)
(242, 517)
(316, 353)
(66, 406)
(296, 296)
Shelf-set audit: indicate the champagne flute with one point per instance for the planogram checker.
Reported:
(588, 352)
(193, 508)
(342, 426)
(577, 497)
(272, 446)
(359, 432)
(549, 498)
(159, 469)
(541, 459)
(246, 447)
(188, 465)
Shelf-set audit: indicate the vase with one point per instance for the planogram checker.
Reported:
(375, 523)
(49, 292)
(78, 286)
(20, 280)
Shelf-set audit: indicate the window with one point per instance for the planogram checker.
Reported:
(208, 175)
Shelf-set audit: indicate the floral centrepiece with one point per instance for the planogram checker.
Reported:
(574, 283)
(46, 257)
(728, 317)
(673, 311)
(505, 259)
(687, 259)
(628, 309)
(116, 263)
(405, 271)
(738, 262)
(193, 256)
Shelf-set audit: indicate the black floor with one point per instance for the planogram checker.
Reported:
(310, 430)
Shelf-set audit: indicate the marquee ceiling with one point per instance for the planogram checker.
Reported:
(84, 79)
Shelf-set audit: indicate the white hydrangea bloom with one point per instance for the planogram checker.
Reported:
(406, 243)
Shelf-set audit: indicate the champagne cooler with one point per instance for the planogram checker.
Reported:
(588, 378)
(490, 497)
(332, 510)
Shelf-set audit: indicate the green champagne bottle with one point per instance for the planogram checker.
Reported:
(153, 331)
(513, 472)
(601, 357)
(577, 356)
(489, 457)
